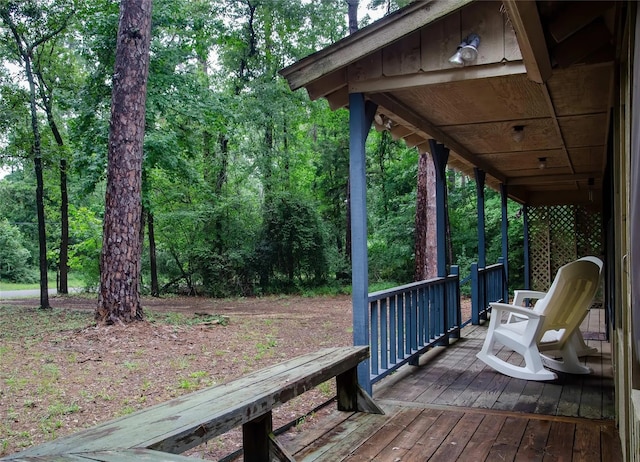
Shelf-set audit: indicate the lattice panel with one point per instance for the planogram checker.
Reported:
(558, 235)
(539, 248)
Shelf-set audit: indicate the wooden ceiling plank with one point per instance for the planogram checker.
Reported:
(556, 124)
(526, 23)
(574, 16)
(428, 130)
(582, 44)
(400, 82)
(367, 40)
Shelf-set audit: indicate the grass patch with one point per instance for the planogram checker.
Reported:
(20, 323)
(179, 319)
(73, 281)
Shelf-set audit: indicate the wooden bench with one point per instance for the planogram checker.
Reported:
(161, 432)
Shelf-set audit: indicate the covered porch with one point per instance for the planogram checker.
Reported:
(453, 407)
(540, 110)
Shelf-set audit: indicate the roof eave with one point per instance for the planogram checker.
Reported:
(368, 40)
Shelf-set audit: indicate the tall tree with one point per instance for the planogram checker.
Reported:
(119, 294)
(353, 15)
(32, 24)
(46, 98)
(425, 244)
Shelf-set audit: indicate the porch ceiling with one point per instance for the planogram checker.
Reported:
(545, 66)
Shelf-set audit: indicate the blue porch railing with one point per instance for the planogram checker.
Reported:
(487, 285)
(406, 321)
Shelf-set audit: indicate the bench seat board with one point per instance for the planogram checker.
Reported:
(126, 455)
(187, 421)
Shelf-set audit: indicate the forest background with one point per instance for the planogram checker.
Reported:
(245, 183)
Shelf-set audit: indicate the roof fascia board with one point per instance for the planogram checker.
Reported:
(368, 39)
(401, 82)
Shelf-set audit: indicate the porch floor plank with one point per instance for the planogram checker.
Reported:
(454, 408)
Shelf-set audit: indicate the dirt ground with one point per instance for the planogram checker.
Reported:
(53, 383)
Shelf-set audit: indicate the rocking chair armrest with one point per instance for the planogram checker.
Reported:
(519, 296)
(519, 311)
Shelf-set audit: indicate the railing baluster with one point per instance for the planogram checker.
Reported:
(375, 350)
(393, 341)
(384, 340)
(414, 323)
(401, 327)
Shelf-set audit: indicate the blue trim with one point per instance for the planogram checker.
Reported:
(358, 131)
(480, 181)
(440, 156)
(505, 239)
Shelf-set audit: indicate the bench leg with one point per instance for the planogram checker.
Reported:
(351, 396)
(259, 442)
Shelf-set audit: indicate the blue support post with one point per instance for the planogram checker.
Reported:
(360, 119)
(505, 239)
(475, 295)
(440, 155)
(480, 180)
(454, 301)
(527, 261)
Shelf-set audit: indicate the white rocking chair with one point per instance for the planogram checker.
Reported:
(549, 326)
(519, 297)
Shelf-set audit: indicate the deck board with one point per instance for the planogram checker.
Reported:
(454, 408)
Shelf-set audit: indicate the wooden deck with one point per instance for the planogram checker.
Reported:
(454, 408)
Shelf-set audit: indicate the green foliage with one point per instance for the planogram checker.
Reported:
(246, 181)
(292, 248)
(464, 229)
(392, 199)
(84, 250)
(14, 257)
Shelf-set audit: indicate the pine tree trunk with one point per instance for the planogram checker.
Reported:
(37, 161)
(64, 230)
(426, 248)
(353, 15)
(421, 220)
(155, 288)
(119, 295)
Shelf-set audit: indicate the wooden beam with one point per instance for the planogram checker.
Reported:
(327, 84)
(400, 113)
(574, 16)
(551, 179)
(580, 45)
(526, 23)
(566, 198)
(367, 40)
(429, 78)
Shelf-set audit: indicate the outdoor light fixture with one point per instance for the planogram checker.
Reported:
(383, 121)
(467, 50)
(542, 163)
(590, 182)
(517, 133)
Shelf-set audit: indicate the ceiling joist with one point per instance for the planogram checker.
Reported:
(526, 23)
